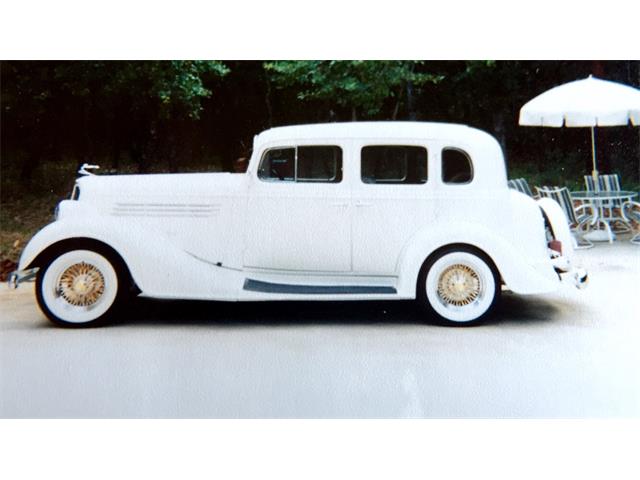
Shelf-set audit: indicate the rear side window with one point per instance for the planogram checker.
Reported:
(393, 164)
(321, 163)
(456, 166)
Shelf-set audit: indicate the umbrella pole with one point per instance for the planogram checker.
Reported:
(594, 172)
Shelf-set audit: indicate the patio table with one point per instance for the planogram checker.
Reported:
(598, 200)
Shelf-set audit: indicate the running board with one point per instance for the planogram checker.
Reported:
(267, 287)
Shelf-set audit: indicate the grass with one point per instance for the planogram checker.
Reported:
(26, 207)
(20, 219)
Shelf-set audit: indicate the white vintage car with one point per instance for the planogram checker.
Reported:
(341, 211)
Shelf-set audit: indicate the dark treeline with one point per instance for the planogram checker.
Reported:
(152, 116)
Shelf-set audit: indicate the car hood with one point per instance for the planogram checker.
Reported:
(100, 188)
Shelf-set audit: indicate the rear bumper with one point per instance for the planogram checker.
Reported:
(580, 278)
(562, 265)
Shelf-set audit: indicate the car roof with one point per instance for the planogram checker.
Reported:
(483, 147)
(386, 129)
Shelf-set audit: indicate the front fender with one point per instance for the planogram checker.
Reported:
(521, 270)
(158, 267)
(128, 240)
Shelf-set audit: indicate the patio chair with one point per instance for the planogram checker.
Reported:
(577, 217)
(610, 208)
(512, 185)
(605, 182)
(631, 212)
(521, 185)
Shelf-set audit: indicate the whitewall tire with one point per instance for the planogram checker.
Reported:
(459, 287)
(78, 288)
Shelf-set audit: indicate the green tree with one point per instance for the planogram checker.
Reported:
(152, 95)
(363, 87)
(176, 87)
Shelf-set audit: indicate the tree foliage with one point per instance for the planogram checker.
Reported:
(149, 96)
(362, 86)
(172, 88)
(172, 115)
(176, 86)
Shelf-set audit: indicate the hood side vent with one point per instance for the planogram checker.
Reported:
(196, 210)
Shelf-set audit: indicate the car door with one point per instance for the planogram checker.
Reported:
(298, 211)
(391, 202)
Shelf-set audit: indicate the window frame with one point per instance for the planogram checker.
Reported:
(400, 181)
(339, 173)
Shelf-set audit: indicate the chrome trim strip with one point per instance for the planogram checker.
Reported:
(121, 209)
(216, 264)
(268, 287)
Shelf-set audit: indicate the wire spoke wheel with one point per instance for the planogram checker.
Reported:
(82, 284)
(79, 287)
(459, 287)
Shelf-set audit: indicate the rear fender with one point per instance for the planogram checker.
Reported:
(519, 271)
(559, 224)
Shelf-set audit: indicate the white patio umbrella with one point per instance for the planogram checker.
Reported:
(590, 102)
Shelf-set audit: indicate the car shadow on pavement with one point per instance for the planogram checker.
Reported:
(513, 309)
(290, 313)
(519, 309)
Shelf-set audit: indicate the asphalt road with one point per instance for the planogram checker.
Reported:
(569, 354)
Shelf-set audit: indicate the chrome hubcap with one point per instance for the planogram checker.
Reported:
(458, 285)
(81, 284)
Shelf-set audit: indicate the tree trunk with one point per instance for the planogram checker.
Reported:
(30, 163)
(498, 125)
(88, 149)
(394, 115)
(172, 135)
(354, 114)
(396, 109)
(410, 101)
(331, 114)
(267, 100)
(115, 151)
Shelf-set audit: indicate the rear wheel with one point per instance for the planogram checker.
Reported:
(459, 287)
(78, 288)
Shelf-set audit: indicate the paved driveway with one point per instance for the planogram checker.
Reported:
(569, 354)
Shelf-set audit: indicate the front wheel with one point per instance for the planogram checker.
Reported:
(78, 288)
(459, 287)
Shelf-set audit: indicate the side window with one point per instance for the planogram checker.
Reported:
(302, 164)
(278, 164)
(319, 164)
(393, 164)
(456, 166)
